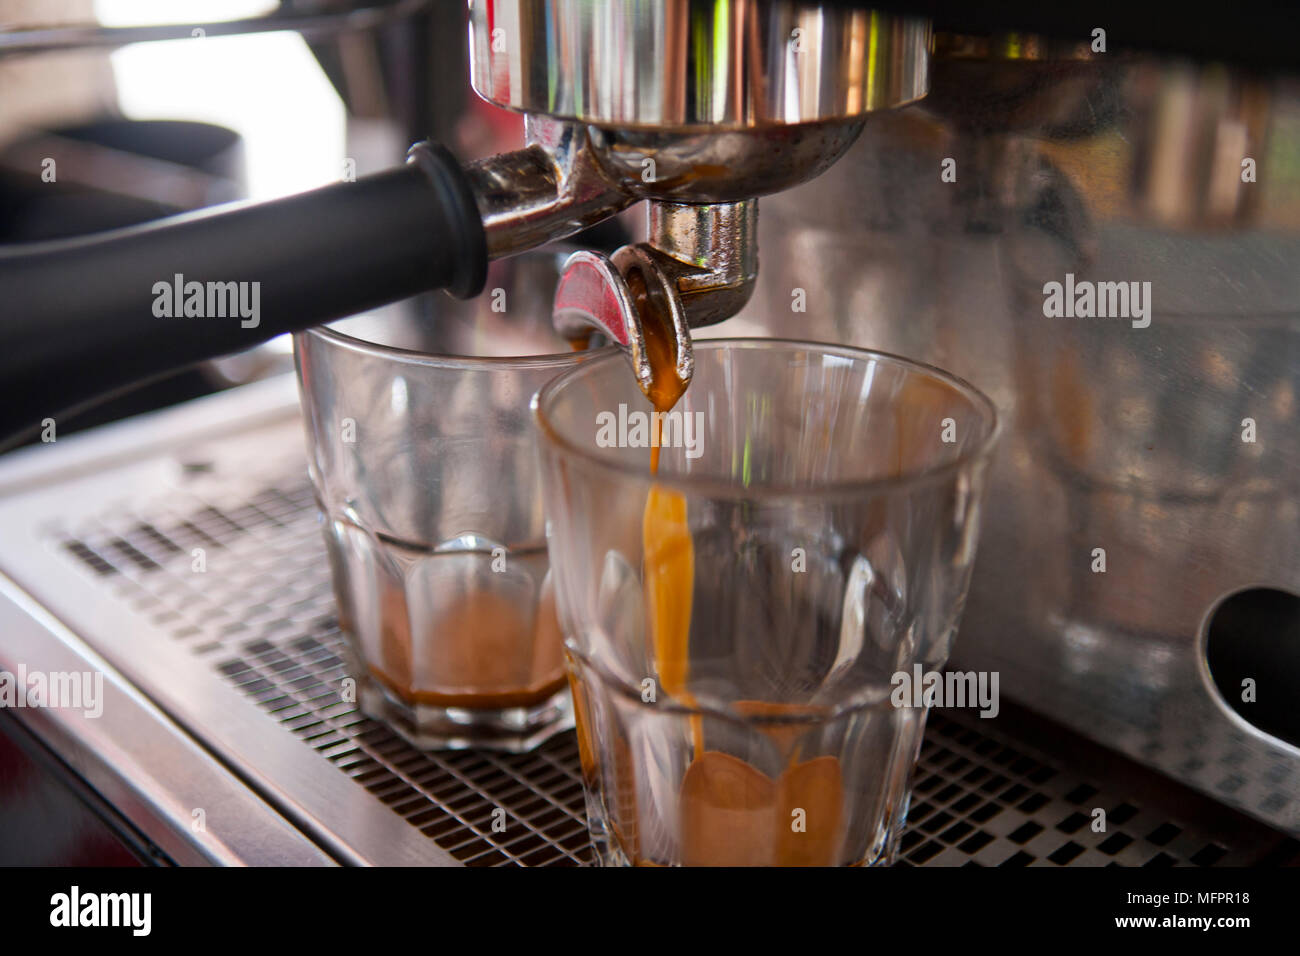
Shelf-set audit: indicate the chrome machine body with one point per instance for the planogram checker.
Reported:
(921, 192)
(1152, 465)
(697, 108)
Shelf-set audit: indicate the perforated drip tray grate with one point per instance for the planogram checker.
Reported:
(260, 617)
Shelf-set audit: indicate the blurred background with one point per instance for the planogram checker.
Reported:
(141, 130)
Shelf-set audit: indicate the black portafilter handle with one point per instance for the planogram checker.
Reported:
(87, 316)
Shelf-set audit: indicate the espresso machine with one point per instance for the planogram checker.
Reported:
(925, 179)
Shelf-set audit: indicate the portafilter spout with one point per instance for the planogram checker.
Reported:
(697, 267)
(698, 108)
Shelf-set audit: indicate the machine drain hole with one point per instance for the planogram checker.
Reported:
(1252, 650)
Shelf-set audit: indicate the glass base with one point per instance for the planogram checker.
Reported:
(607, 848)
(508, 729)
(607, 852)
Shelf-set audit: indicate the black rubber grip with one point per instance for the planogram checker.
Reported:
(86, 316)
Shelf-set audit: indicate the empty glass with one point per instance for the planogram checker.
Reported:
(734, 623)
(425, 471)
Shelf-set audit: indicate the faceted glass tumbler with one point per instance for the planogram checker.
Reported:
(425, 472)
(733, 623)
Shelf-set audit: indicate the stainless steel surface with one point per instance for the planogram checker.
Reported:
(720, 166)
(709, 253)
(664, 299)
(697, 267)
(1111, 167)
(698, 107)
(570, 177)
(688, 102)
(1123, 438)
(548, 190)
(740, 64)
(987, 796)
(593, 296)
(250, 430)
(190, 806)
(246, 661)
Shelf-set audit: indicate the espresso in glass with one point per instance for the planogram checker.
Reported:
(734, 617)
(425, 470)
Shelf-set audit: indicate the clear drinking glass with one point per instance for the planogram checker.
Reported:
(733, 624)
(425, 470)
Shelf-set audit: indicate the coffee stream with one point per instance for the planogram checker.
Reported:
(669, 553)
(731, 813)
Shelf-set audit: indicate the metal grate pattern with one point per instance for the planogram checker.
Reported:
(451, 797)
(1196, 744)
(982, 800)
(242, 578)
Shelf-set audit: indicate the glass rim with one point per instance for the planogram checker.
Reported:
(360, 346)
(853, 702)
(733, 490)
(356, 344)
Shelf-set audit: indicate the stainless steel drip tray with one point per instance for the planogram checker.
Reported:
(181, 553)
